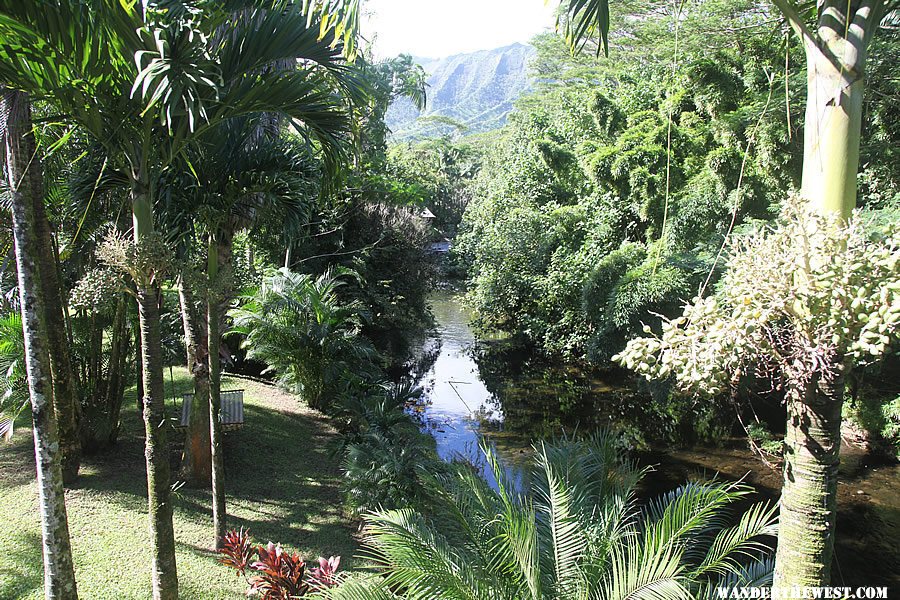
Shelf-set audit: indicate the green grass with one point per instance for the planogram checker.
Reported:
(281, 481)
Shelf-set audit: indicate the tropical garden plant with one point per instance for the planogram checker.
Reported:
(386, 459)
(277, 574)
(306, 333)
(580, 532)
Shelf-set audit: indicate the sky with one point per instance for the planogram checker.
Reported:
(439, 28)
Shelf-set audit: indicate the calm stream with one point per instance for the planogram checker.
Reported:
(472, 398)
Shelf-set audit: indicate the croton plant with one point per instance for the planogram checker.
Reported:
(274, 573)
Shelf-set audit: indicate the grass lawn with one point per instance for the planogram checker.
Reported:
(281, 481)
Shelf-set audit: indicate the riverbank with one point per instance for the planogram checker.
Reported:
(281, 481)
(510, 400)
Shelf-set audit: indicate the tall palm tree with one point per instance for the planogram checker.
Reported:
(234, 176)
(835, 36)
(65, 388)
(25, 183)
(145, 79)
(579, 533)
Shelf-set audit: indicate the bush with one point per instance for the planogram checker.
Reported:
(385, 455)
(578, 534)
(304, 332)
(276, 573)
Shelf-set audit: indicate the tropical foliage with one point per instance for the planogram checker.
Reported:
(579, 533)
(299, 326)
(811, 292)
(178, 169)
(279, 574)
(386, 459)
(14, 385)
(607, 198)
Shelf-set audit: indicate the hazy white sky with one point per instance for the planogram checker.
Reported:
(438, 28)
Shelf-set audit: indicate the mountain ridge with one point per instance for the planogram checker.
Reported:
(476, 89)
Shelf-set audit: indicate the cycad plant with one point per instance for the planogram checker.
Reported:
(13, 385)
(386, 457)
(300, 326)
(580, 533)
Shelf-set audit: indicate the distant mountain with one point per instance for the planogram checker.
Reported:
(476, 89)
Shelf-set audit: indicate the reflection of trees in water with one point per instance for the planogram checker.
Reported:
(542, 400)
(423, 359)
(417, 368)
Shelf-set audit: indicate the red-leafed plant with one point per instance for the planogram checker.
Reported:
(277, 574)
(237, 551)
(325, 575)
(280, 574)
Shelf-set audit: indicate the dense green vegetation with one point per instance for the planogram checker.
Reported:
(606, 200)
(704, 193)
(577, 534)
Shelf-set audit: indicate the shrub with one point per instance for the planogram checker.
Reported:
(579, 534)
(385, 455)
(304, 332)
(277, 574)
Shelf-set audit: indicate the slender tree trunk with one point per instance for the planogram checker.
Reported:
(159, 497)
(118, 352)
(215, 384)
(196, 463)
(25, 183)
(65, 390)
(833, 122)
(102, 410)
(809, 494)
(139, 352)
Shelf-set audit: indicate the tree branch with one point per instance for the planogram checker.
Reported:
(796, 22)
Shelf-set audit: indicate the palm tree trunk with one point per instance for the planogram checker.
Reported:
(835, 62)
(25, 183)
(809, 493)
(101, 413)
(65, 390)
(833, 123)
(118, 353)
(139, 352)
(215, 385)
(196, 463)
(156, 450)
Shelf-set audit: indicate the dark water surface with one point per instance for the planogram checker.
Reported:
(507, 403)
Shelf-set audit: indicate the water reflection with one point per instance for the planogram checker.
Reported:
(479, 394)
(457, 407)
(476, 393)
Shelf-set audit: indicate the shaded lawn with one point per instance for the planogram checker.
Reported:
(281, 482)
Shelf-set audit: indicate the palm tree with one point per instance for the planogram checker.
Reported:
(580, 533)
(299, 326)
(25, 183)
(144, 80)
(835, 36)
(65, 388)
(229, 179)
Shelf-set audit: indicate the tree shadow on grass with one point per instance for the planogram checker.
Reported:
(27, 575)
(279, 469)
(280, 478)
